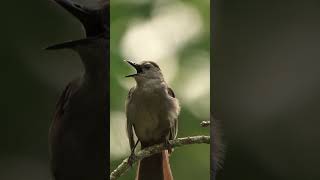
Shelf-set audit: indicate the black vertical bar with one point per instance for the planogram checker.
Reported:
(213, 166)
(106, 24)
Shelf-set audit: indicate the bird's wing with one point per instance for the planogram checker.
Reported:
(174, 128)
(171, 93)
(61, 106)
(58, 124)
(129, 124)
(63, 101)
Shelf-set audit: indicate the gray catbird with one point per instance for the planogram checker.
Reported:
(152, 113)
(78, 133)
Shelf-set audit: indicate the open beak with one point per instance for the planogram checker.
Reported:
(91, 19)
(136, 66)
(72, 44)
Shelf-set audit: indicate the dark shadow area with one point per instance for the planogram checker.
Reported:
(31, 82)
(266, 88)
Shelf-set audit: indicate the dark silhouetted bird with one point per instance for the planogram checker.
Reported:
(78, 133)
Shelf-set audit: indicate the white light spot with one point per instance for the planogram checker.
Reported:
(119, 143)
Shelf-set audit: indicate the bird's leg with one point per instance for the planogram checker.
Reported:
(168, 145)
(132, 155)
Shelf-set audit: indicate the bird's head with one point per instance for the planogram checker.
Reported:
(94, 48)
(146, 71)
(94, 20)
(95, 23)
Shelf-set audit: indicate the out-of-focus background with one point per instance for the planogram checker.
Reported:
(31, 82)
(176, 35)
(267, 88)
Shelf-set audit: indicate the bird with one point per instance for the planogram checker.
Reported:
(78, 132)
(94, 21)
(152, 111)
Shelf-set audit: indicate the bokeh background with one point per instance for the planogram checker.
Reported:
(176, 35)
(267, 88)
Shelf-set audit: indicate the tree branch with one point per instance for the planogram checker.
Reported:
(124, 166)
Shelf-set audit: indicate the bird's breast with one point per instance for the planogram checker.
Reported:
(150, 114)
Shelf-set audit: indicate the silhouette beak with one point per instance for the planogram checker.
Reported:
(72, 44)
(91, 19)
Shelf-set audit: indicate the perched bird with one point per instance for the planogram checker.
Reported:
(152, 113)
(78, 132)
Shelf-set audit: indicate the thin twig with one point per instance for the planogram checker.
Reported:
(124, 166)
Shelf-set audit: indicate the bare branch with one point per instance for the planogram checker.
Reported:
(124, 166)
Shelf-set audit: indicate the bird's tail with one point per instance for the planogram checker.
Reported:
(155, 167)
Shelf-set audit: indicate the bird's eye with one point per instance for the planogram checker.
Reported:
(147, 66)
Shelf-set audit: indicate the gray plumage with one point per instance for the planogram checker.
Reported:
(151, 109)
(152, 113)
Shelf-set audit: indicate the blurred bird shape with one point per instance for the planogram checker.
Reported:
(78, 132)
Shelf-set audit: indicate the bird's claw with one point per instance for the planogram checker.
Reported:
(168, 146)
(131, 159)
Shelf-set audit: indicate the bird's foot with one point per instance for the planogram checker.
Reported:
(131, 159)
(168, 146)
